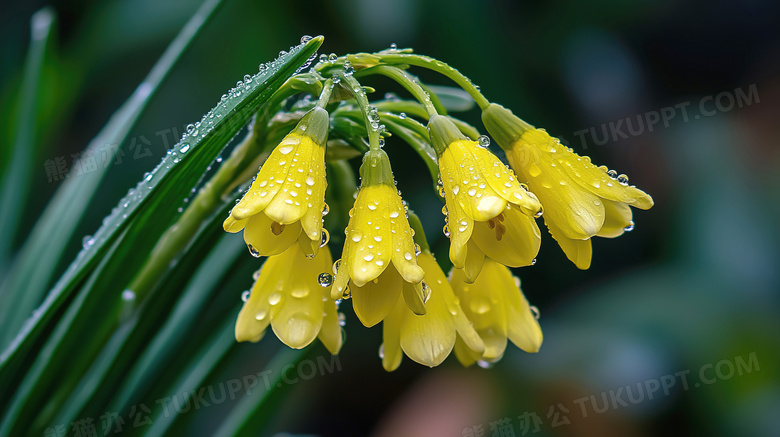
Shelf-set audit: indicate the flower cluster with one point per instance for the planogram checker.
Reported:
(387, 268)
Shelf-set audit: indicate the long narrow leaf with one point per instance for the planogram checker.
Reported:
(15, 184)
(33, 272)
(150, 208)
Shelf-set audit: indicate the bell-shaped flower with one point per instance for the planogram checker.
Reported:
(286, 200)
(580, 199)
(489, 213)
(498, 309)
(427, 339)
(379, 260)
(288, 295)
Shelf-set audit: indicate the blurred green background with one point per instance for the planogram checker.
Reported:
(693, 289)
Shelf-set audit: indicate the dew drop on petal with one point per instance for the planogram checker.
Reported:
(325, 279)
(325, 237)
(245, 295)
(274, 298)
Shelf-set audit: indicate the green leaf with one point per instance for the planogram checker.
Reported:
(16, 179)
(452, 98)
(33, 271)
(141, 218)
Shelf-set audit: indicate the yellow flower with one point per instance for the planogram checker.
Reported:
(489, 212)
(427, 339)
(498, 309)
(379, 260)
(288, 295)
(580, 199)
(288, 194)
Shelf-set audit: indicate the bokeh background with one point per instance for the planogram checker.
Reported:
(694, 288)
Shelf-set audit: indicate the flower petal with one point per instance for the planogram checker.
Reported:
(267, 237)
(579, 252)
(269, 180)
(461, 227)
(374, 300)
(522, 327)
(391, 353)
(370, 241)
(483, 306)
(296, 310)
(414, 298)
(429, 339)
(474, 258)
(462, 167)
(232, 225)
(618, 218)
(512, 238)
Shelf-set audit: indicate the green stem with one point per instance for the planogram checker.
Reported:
(327, 90)
(439, 67)
(407, 81)
(362, 101)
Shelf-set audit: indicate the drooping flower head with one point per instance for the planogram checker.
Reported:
(499, 310)
(286, 199)
(488, 212)
(580, 199)
(427, 339)
(379, 260)
(288, 296)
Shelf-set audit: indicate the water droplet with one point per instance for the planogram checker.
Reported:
(261, 315)
(305, 39)
(408, 256)
(336, 266)
(325, 237)
(393, 46)
(402, 115)
(630, 226)
(623, 179)
(255, 253)
(245, 295)
(485, 364)
(87, 241)
(446, 230)
(325, 279)
(426, 290)
(325, 209)
(323, 58)
(417, 250)
(472, 191)
(256, 275)
(382, 351)
(184, 148)
(535, 312)
(190, 128)
(368, 257)
(128, 295)
(533, 263)
(300, 292)
(332, 57)
(342, 319)
(274, 298)
(539, 213)
(483, 141)
(613, 174)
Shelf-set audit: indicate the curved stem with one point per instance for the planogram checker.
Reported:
(439, 67)
(362, 101)
(327, 89)
(407, 81)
